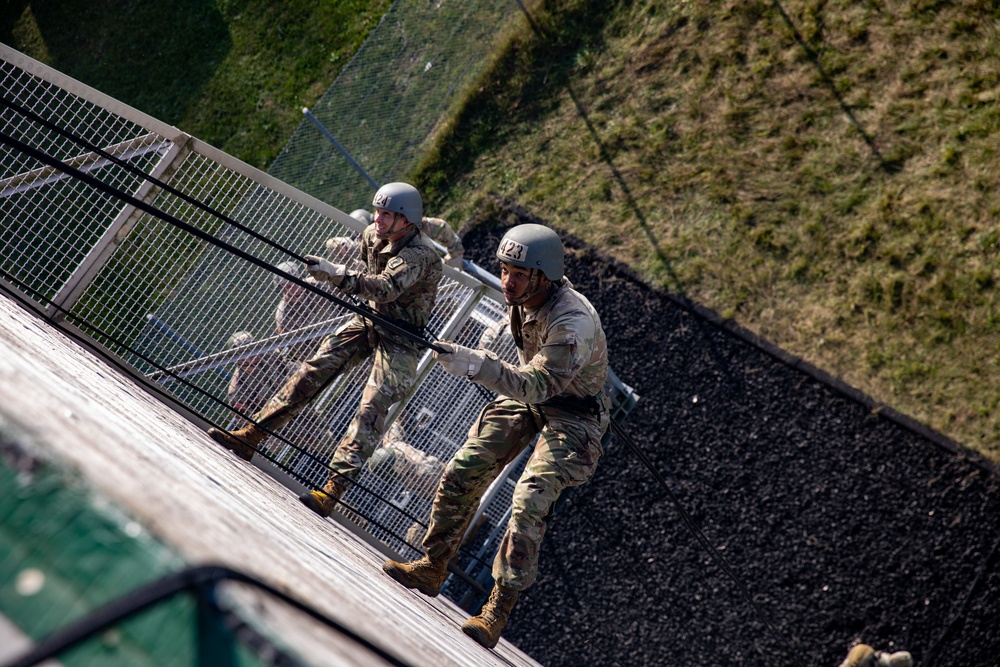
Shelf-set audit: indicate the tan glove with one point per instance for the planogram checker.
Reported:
(458, 360)
(321, 270)
(453, 260)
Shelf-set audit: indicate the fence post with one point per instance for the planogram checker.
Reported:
(116, 232)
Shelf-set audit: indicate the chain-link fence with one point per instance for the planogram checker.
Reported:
(387, 102)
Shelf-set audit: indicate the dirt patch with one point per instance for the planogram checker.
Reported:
(844, 523)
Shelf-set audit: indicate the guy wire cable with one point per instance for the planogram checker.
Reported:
(205, 236)
(699, 536)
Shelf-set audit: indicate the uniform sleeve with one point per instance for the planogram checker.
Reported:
(568, 346)
(400, 273)
(441, 231)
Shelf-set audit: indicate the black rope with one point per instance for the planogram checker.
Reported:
(192, 579)
(395, 327)
(699, 536)
(131, 168)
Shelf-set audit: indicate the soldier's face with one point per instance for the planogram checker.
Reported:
(514, 280)
(291, 291)
(389, 225)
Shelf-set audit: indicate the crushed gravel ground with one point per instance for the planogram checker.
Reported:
(844, 521)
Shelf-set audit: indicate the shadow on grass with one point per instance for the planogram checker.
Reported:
(109, 45)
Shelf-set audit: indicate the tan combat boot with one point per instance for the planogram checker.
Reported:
(424, 574)
(861, 655)
(241, 441)
(486, 627)
(323, 502)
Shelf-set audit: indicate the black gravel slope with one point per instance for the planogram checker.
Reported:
(844, 523)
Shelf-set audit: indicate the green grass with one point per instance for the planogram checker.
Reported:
(234, 73)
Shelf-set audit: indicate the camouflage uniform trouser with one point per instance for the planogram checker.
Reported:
(566, 455)
(394, 370)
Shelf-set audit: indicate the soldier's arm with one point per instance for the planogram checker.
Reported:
(441, 231)
(568, 345)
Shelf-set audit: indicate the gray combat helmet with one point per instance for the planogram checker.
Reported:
(533, 246)
(401, 198)
(382, 461)
(239, 338)
(363, 215)
(290, 267)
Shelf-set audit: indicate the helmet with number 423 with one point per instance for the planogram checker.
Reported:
(532, 246)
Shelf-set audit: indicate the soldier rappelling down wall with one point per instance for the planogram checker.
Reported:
(555, 393)
(399, 280)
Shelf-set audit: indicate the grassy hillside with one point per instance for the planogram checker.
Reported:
(235, 73)
(825, 173)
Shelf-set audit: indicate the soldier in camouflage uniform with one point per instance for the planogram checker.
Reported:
(441, 231)
(412, 469)
(255, 379)
(400, 283)
(556, 393)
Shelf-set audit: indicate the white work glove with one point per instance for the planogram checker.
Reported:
(458, 360)
(342, 245)
(321, 270)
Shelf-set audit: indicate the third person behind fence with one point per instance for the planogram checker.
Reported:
(556, 392)
(399, 280)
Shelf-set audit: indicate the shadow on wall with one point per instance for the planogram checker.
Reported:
(133, 64)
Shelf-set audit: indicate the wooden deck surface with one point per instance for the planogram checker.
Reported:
(213, 508)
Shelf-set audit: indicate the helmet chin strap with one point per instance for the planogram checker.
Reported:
(534, 288)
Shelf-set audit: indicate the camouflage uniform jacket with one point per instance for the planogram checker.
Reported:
(400, 278)
(440, 231)
(561, 347)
